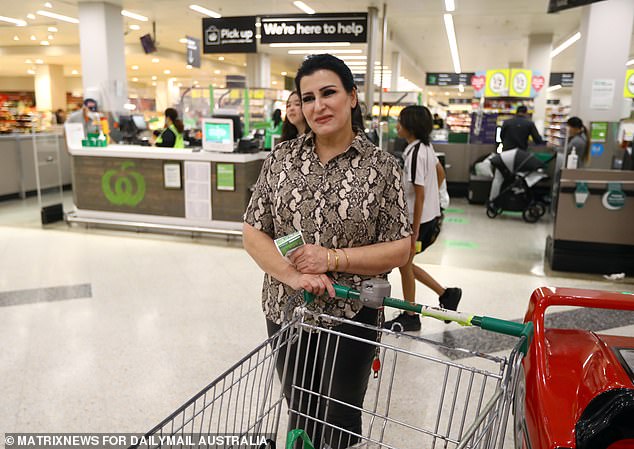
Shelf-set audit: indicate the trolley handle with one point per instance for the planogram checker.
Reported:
(465, 319)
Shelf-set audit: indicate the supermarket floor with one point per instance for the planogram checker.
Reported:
(110, 331)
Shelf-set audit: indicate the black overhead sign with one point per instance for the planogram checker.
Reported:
(560, 5)
(564, 79)
(193, 51)
(448, 79)
(302, 28)
(229, 35)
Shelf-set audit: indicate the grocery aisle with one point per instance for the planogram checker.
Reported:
(109, 331)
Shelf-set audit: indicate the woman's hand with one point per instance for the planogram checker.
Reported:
(310, 259)
(313, 283)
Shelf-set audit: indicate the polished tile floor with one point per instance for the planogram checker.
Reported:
(110, 331)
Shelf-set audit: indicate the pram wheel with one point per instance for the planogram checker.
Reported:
(492, 211)
(534, 212)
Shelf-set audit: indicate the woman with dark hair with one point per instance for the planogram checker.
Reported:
(345, 197)
(294, 122)
(423, 175)
(578, 141)
(172, 134)
(275, 129)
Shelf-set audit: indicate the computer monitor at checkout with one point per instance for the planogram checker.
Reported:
(217, 134)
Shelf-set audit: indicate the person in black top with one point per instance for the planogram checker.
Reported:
(438, 122)
(515, 131)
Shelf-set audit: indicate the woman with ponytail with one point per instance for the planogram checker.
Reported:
(172, 134)
(578, 140)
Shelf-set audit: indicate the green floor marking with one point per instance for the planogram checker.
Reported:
(453, 210)
(459, 220)
(461, 244)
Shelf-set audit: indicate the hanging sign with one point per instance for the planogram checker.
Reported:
(478, 81)
(229, 35)
(560, 5)
(193, 51)
(497, 84)
(448, 79)
(563, 79)
(628, 89)
(520, 85)
(303, 28)
(614, 198)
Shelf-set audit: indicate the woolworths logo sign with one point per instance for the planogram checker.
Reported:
(123, 186)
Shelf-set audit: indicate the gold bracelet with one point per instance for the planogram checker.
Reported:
(347, 260)
(336, 260)
(328, 261)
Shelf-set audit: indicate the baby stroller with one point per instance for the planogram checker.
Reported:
(516, 173)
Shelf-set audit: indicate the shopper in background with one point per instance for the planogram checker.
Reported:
(274, 130)
(294, 123)
(87, 115)
(60, 116)
(344, 195)
(172, 134)
(578, 141)
(438, 122)
(423, 175)
(515, 131)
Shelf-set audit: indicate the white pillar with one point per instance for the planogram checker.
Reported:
(102, 54)
(162, 96)
(606, 33)
(396, 70)
(373, 42)
(50, 87)
(258, 70)
(538, 59)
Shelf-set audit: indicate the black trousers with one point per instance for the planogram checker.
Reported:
(338, 368)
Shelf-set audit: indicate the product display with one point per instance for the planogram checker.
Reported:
(555, 125)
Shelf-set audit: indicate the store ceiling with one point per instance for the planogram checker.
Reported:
(490, 34)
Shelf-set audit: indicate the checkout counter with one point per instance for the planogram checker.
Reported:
(593, 229)
(163, 188)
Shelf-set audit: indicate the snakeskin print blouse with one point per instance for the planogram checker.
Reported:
(355, 199)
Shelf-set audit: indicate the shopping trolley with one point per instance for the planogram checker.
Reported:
(424, 394)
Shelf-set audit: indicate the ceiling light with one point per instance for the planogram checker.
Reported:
(48, 5)
(30, 16)
(37, 61)
(50, 37)
(167, 71)
(322, 50)
(30, 72)
(284, 73)
(28, 61)
(135, 79)
(154, 77)
(74, 72)
(17, 22)
(129, 106)
(221, 58)
(217, 72)
(45, 43)
(554, 88)
(16, 38)
(346, 57)
(274, 82)
(135, 27)
(153, 83)
(567, 43)
(135, 67)
(52, 29)
(156, 60)
(133, 15)
(450, 5)
(630, 62)
(304, 7)
(183, 40)
(447, 93)
(53, 15)
(461, 88)
(33, 38)
(205, 11)
(189, 67)
(312, 44)
(431, 93)
(453, 44)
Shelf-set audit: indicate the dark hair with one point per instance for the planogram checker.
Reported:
(577, 123)
(277, 117)
(173, 115)
(329, 62)
(418, 121)
(522, 109)
(290, 131)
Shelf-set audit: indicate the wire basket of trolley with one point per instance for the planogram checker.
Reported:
(421, 393)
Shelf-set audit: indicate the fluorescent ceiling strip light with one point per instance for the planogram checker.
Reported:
(554, 88)
(353, 57)
(630, 62)
(453, 44)
(313, 44)
(17, 22)
(54, 15)
(304, 7)
(205, 11)
(567, 43)
(134, 15)
(450, 5)
(322, 50)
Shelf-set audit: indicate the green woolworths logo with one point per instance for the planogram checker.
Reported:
(122, 187)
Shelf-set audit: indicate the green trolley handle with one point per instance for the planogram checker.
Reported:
(375, 294)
